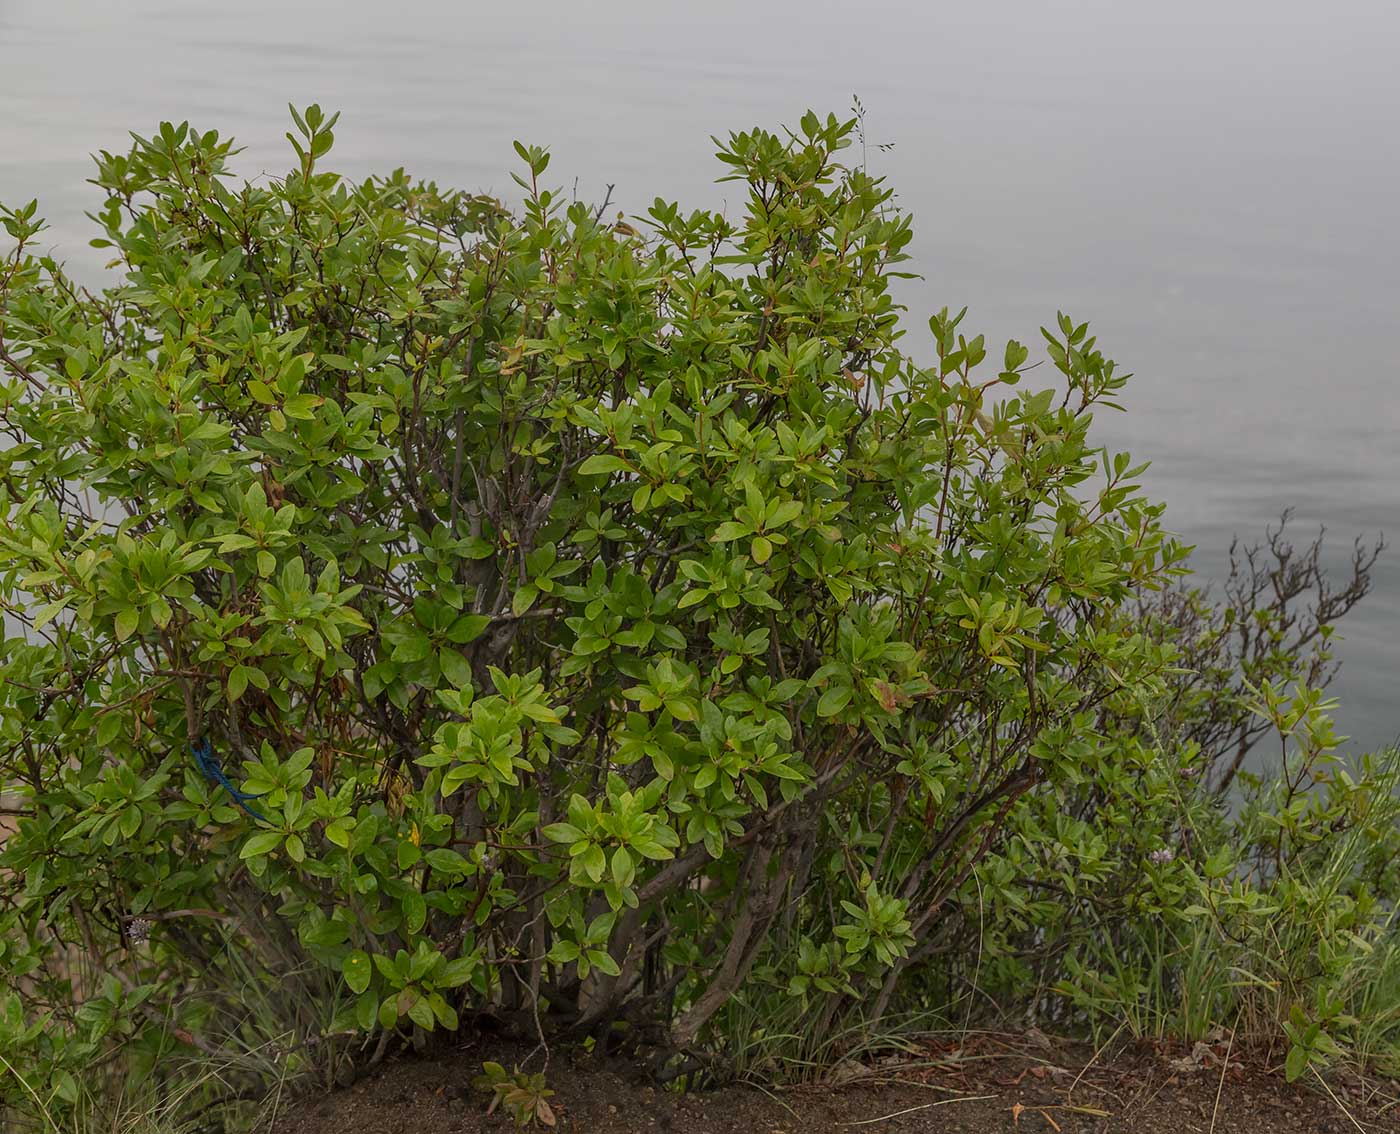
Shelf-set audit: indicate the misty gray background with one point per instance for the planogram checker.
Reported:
(1213, 185)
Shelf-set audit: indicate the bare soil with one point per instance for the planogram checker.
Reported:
(983, 1084)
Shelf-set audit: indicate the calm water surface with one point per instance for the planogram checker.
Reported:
(1214, 184)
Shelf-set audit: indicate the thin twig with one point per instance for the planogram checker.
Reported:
(1094, 1058)
(1335, 1099)
(1220, 1087)
(912, 1109)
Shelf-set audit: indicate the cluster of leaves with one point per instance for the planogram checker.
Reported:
(522, 1093)
(611, 620)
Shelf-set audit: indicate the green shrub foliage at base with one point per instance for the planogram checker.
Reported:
(604, 622)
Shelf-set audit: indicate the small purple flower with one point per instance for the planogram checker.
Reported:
(1161, 857)
(1190, 773)
(138, 930)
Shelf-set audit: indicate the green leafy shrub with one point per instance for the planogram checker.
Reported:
(1280, 926)
(611, 626)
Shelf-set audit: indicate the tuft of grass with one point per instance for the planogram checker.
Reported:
(1308, 966)
(767, 1042)
(267, 1033)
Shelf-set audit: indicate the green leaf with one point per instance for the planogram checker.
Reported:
(323, 931)
(603, 463)
(1296, 1063)
(623, 870)
(455, 668)
(302, 406)
(594, 862)
(66, 1087)
(422, 1012)
(413, 649)
(357, 970)
(260, 843)
(127, 620)
(49, 612)
(456, 972)
(682, 710)
(834, 700)
(781, 513)
(730, 530)
(161, 612)
(109, 728)
(448, 862)
(445, 1013)
(469, 627)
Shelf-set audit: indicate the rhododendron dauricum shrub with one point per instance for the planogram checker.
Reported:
(609, 617)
